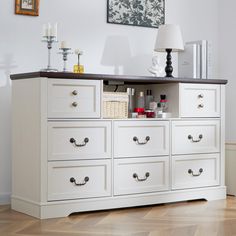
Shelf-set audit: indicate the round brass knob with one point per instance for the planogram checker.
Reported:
(75, 92)
(74, 104)
(200, 105)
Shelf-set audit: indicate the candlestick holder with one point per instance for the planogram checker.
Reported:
(49, 40)
(65, 52)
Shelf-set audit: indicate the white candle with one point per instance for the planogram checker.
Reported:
(45, 30)
(54, 30)
(64, 44)
(49, 30)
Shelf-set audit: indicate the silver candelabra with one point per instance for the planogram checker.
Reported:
(49, 40)
(65, 52)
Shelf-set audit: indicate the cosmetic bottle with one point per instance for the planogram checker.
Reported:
(131, 92)
(164, 103)
(141, 100)
(148, 99)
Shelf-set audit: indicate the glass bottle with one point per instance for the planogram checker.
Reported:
(163, 103)
(131, 92)
(78, 68)
(148, 99)
(141, 100)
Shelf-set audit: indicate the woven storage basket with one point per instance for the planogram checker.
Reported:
(115, 105)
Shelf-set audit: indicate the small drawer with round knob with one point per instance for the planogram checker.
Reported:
(69, 98)
(141, 175)
(79, 179)
(192, 171)
(195, 136)
(198, 100)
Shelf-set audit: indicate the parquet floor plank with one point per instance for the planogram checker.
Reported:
(193, 218)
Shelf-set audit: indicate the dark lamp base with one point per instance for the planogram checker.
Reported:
(169, 68)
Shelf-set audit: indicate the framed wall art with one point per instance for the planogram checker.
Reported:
(146, 13)
(27, 7)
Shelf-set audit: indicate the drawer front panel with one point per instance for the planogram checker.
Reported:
(79, 140)
(79, 179)
(195, 136)
(73, 98)
(193, 171)
(141, 138)
(198, 100)
(141, 175)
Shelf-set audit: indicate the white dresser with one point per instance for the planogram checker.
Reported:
(66, 158)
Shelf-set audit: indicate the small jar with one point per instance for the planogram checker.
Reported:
(134, 115)
(150, 114)
(140, 111)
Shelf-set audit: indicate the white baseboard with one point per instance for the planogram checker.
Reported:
(5, 198)
(46, 210)
(230, 146)
(230, 167)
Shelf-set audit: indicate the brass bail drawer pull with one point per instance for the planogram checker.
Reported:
(73, 180)
(190, 137)
(135, 139)
(135, 176)
(190, 171)
(86, 140)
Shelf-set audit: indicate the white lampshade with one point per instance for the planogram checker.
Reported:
(169, 37)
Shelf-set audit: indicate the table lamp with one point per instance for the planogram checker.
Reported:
(169, 39)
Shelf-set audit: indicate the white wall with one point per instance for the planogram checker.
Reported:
(227, 29)
(83, 25)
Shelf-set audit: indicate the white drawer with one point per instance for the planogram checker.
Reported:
(141, 175)
(197, 100)
(141, 138)
(195, 136)
(79, 140)
(193, 171)
(79, 179)
(73, 98)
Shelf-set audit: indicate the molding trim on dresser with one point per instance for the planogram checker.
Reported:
(67, 158)
(65, 208)
(123, 78)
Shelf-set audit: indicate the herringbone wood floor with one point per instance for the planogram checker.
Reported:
(179, 219)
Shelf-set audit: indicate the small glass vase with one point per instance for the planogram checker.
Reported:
(78, 69)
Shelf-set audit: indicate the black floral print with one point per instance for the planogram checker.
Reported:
(147, 13)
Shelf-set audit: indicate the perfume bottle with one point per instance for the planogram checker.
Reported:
(163, 103)
(78, 68)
